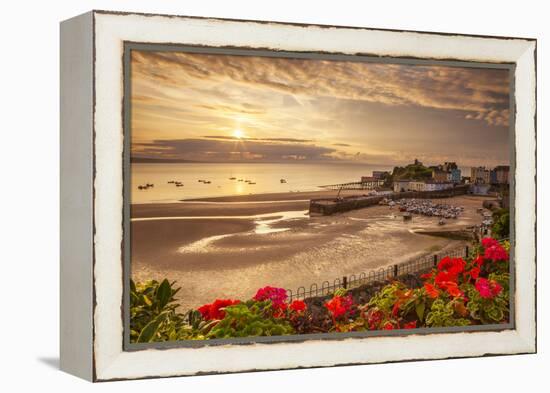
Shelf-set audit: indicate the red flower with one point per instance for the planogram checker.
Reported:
(496, 288)
(453, 266)
(474, 272)
(443, 277)
(496, 253)
(374, 317)
(427, 276)
(298, 306)
(387, 326)
(489, 242)
(478, 261)
(452, 289)
(279, 311)
(214, 310)
(488, 289)
(276, 295)
(339, 305)
(431, 290)
(410, 325)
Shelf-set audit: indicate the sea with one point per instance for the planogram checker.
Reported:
(262, 178)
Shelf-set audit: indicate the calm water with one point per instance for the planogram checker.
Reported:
(299, 177)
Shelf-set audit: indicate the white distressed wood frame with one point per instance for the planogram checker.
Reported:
(91, 167)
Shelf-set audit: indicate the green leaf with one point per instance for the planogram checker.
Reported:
(164, 294)
(151, 329)
(146, 300)
(420, 308)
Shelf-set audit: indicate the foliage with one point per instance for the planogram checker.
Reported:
(457, 292)
(442, 314)
(153, 315)
(501, 223)
(252, 318)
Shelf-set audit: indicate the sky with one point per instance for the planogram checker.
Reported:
(222, 108)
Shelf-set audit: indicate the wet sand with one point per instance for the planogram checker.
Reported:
(229, 248)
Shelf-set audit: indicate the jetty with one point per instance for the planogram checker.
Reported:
(370, 184)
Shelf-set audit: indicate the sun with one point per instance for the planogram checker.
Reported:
(239, 134)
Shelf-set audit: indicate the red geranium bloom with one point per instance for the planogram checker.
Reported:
(496, 253)
(298, 306)
(452, 265)
(431, 290)
(427, 276)
(488, 242)
(279, 311)
(214, 310)
(276, 295)
(474, 272)
(410, 325)
(339, 305)
(488, 288)
(374, 317)
(496, 288)
(387, 326)
(452, 289)
(478, 261)
(443, 277)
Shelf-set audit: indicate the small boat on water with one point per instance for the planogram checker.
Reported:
(232, 178)
(207, 182)
(251, 182)
(283, 181)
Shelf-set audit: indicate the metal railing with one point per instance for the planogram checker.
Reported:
(380, 276)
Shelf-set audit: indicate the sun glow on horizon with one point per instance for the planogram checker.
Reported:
(239, 134)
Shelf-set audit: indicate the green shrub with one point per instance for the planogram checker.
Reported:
(248, 319)
(153, 315)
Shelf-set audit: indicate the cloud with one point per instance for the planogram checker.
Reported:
(476, 92)
(229, 150)
(233, 138)
(386, 112)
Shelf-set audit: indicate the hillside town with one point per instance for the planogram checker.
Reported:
(482, 180)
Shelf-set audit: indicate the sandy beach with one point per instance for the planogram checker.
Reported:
(227, 247)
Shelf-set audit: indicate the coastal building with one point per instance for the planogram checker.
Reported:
(401, 185)
(447, 172)
(437, 186)
(416, 185)
(440, 175)
(380, 174)
(480, 175)
(455, 175)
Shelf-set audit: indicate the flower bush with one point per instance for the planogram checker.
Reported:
(456, 292)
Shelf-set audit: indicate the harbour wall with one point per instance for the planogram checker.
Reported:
(327, 207)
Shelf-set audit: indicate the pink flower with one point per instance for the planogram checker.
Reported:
(277, 296)
(483, 287)
(488, 289)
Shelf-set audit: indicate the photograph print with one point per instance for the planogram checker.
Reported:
(288, 194)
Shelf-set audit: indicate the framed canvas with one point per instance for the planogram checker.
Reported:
(247, 195)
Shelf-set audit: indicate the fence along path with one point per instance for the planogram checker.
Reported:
(418, 265)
